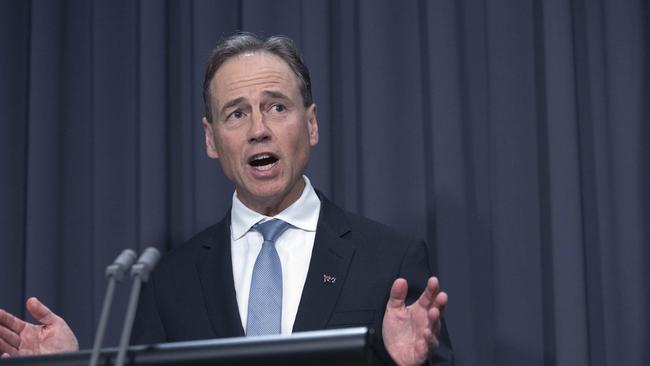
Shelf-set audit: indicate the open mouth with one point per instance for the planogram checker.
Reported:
(263, 161)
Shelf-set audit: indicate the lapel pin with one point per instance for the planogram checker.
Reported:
(329, 279)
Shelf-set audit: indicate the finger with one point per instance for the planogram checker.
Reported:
(9, 336)
(431, 339)
(433, 343)
(11, 322)
(441, 301)
(435, 322)
(397, 294)
(429, 293)
(7, 349)
(41, 312)
(5, 355)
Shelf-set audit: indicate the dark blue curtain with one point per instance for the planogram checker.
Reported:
(513, 135)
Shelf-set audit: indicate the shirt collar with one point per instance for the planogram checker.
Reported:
(302, 214)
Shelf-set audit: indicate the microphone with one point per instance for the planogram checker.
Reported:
(140, 273)
(146, 263)
(122, 264)
(115, 273)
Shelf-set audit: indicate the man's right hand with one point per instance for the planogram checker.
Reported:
(20, 338)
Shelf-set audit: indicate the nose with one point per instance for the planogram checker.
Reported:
(258, 130)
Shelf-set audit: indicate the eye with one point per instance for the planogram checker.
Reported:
(235, 115)
(278, 108)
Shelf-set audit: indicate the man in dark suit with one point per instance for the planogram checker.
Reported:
(322, 267)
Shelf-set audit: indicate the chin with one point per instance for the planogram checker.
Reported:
(267, 191)
(273, 194)
(272, 191)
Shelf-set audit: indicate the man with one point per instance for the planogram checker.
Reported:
(322, 268)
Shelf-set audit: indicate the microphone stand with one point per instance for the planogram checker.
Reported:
(115, 273)
(140, 273)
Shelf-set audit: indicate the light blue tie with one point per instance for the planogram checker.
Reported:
(265, 297)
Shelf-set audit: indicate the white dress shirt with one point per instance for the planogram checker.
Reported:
(294, 247)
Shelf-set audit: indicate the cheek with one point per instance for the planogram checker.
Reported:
(301, 143)
(228, 153)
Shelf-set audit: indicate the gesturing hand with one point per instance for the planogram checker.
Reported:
(411, 332)
(19, 338)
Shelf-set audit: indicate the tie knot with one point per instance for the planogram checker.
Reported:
(272, 229)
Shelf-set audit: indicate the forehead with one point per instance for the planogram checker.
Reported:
(250, 73)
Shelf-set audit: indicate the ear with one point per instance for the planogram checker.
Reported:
(312, 125)
(210, 144)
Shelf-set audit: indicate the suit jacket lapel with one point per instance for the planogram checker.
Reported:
(215, 274)
(328, 269)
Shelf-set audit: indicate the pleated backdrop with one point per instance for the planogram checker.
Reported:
(512, 135)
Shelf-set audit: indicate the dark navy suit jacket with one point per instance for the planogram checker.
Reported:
(191, 294)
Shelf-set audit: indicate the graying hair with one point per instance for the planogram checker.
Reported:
(244, 42)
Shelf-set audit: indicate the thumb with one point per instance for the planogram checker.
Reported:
(41, 312)
(397, 294)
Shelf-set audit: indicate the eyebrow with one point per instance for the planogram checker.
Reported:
(232, 103)
(275, 94)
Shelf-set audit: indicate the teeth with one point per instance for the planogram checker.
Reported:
(265, 167)
(260, 157)
(263, 161)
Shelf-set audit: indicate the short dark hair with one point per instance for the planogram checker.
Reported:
(243, 42)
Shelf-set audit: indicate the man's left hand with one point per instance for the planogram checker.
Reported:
(411, 332)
